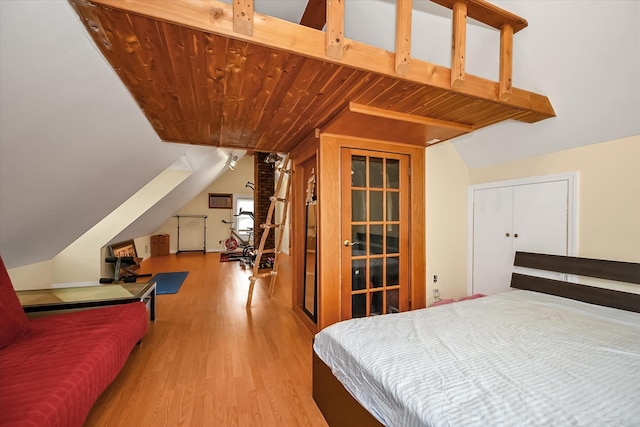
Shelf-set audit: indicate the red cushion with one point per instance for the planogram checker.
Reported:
(13, 321)
(54, 374)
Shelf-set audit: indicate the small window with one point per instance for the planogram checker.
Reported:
(220, 201)
(244, 210)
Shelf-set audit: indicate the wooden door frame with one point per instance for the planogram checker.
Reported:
(330, 221)
(304, 155)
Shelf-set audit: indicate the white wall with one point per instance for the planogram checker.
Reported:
(608, 193)
(608, 203)
(446, 200)
(191, 234)
(82, 260)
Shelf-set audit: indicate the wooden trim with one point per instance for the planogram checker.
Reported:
(335, 28)
(339, 408)
(459, 44)
(216, 17)
(346, 309)
(388, 114)
(329, 301)
(418, 241)
(243, 17)
(304, 154)
(404, 10)
(488, 13)
(603, 269)
(329, 259)
(506, 62)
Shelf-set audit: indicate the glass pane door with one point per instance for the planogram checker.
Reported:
(375, 233)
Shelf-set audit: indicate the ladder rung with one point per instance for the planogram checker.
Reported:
(282, 169)
(270, 225)
(268, 251)
(277, 199)
(261, 275)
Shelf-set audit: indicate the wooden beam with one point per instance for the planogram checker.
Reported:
(459, 43)
(387, 114)
(488, 13)
(217, 18)
(335, 28)
(243, 17)
(506, 62)
(404, 9)
(315, 14)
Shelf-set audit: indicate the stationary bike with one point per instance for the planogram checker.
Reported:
(235, 241)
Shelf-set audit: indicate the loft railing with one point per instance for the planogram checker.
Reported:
(507, 23)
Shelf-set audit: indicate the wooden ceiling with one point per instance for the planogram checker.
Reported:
(200, 82)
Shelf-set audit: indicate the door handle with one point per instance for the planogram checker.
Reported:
(350, 243)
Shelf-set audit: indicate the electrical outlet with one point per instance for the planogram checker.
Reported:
(435, 278)
(436, 294)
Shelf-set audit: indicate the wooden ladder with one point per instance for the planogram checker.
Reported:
(285, 170)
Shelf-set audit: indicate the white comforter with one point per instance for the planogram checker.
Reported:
(515, 359)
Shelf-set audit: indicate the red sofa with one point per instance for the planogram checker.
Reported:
(52, 369)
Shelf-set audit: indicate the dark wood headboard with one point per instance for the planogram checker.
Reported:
(628, 272)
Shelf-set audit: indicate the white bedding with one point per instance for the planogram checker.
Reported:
(518, 358)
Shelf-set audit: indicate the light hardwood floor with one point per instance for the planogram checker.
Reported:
(207, 361)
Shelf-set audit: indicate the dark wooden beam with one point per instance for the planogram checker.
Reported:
(315, 15)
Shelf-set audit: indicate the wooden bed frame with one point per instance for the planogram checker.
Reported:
(340, 409)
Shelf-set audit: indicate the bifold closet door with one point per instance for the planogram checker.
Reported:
(492, 239)
(540, 217)
(528, 217)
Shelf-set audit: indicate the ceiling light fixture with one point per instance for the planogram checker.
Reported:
(233, 161)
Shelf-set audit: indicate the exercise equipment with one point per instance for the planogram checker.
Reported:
(123, 270)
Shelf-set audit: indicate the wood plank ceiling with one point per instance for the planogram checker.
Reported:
(198, 82)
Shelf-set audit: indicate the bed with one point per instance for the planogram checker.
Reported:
(548, 352)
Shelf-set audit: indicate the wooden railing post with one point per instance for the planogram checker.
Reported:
(335, 28)
(243, 17)
(459, 43)
(404, 9)
(506, 62)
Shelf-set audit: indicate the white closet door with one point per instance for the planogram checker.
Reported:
(528, 217)
(540, 217)
(492, 245)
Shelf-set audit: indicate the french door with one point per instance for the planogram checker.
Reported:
(375, 232)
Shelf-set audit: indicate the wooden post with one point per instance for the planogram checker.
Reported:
(404, 9)
(335, 28)
(459, 44)
(243, 17)
(506, 62)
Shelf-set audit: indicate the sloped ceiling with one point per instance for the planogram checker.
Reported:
(74, 145)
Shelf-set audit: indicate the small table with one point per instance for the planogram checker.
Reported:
(88, 296)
